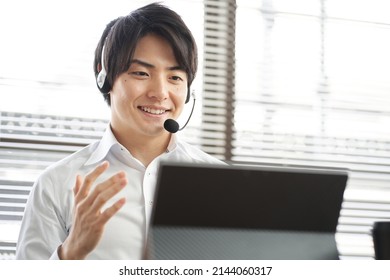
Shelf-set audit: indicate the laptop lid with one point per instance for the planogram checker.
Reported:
(207, 211)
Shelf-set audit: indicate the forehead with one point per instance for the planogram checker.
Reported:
(155, 47)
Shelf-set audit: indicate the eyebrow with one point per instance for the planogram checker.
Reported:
(148, 65)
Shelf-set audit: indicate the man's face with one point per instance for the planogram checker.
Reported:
(152, 90)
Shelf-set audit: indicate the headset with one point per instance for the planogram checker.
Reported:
(105, 87)
(101, 78)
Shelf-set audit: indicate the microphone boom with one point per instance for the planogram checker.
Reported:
(172, 126)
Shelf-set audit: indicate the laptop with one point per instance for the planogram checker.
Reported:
(210, 212)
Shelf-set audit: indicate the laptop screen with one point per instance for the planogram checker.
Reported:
(239, 212)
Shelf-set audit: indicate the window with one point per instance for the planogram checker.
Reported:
(291, 82)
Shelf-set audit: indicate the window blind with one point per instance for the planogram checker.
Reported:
(219, 77)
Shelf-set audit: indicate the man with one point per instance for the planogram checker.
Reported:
(96, 203)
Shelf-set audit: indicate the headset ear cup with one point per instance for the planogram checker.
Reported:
(105, 88)
(101, 79)
(101, 82)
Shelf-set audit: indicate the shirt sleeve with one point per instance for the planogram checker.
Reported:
(43, 227)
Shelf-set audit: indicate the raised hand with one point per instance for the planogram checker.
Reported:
(89, 219)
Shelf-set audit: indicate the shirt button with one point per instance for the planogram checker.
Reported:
(151, 202)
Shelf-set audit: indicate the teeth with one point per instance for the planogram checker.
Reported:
(153, 111)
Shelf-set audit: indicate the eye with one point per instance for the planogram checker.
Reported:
(176, 78)
(139, 73)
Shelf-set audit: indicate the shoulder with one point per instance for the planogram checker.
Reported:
(195, 154)
(74, 161)
(62, 174)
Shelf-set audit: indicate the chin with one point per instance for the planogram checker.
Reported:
(154, 131)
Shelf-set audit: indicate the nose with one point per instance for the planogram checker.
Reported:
(159, 89)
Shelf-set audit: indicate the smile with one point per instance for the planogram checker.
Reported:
(153, 111)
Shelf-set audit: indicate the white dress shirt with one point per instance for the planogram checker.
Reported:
(48, 214)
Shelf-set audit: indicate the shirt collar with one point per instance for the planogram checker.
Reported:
(108, 140)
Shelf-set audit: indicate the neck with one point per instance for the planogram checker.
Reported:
(143, 147)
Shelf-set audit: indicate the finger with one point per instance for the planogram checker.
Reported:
(106, 191)
(77, 186)
(112, 210)
(90, 178)
(102, 186)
